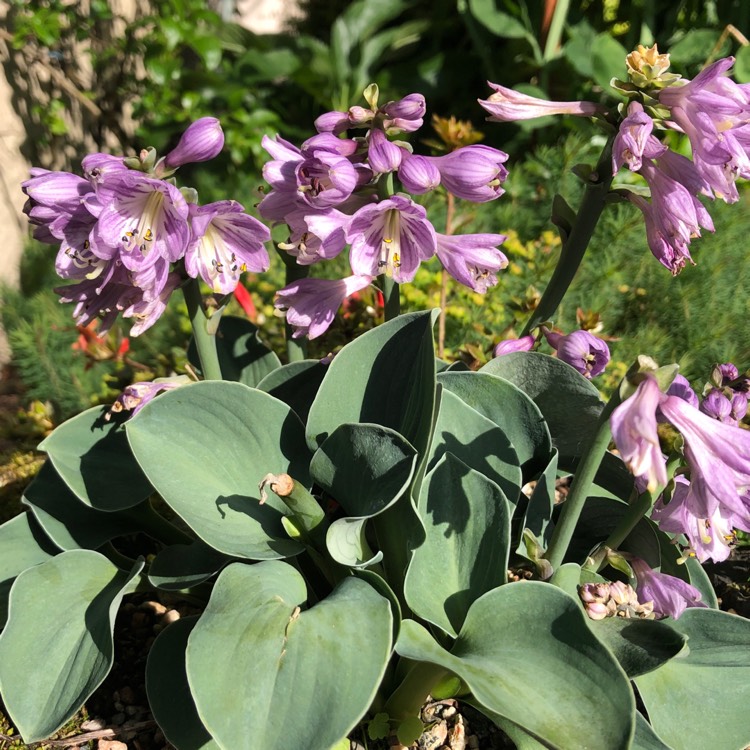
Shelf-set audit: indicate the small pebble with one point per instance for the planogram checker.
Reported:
(171, 616)
(156, 607)
(93, 725)
(111, 745)
(118, 719)
(127, 696)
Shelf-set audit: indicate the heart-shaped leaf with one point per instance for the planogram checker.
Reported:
(207, 446)
(168, 691)
(465, 554)
(181, 566)
(386, 376)
(524, 642)
(296, 384)
(292, 679)
(57, 646)
(699, 699)
(93, 458)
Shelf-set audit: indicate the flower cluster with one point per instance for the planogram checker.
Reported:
(711, 495)
(331, 192)
(128, 236)
(711, 110)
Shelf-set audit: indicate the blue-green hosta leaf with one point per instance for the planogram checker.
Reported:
(699, 699)
(569, 402)
(68, 522)
(296, 384)
(242, 355)
(537, 516)
(264, 674)
(22, 545)
(181, 566)
(527, 655)
(699, 578)
(477, 441)
(465, 554)
(510, 409)
(93, 458)
(386, 376)
(57, 646)
(645, 737)
(364, 467)
(206, 447)
(168, 691)
(346, 541)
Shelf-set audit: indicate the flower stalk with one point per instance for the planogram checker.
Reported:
(581, 486)
(204, 331)
(575, 244)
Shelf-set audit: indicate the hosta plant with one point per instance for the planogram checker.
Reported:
(365, 531)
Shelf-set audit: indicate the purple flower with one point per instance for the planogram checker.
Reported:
(712, 110)
(315, 235)
(474, 173)
(717, 406)
(405, 115)
(137, 395)
(524, 344)
(709, 537)
(418, 174)
(382, 155)
(144, 224)
(585, 352)
(225, 242)
(203, 140)
(634, 430)
(631, 139)
(507, 105)
(392, 237)
(680, 387)
(311, 304)
(332, 122)
(472, 259)
(718, 456)
(670, 595)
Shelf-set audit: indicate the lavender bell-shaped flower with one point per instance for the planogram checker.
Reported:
(137, 395)
(418, 174)
(524, 344)
(670, 595)
(203, 140)
(404, 115)
(507, 105)
(631, 139)
(382, 155)
(311, 304)
(585, 352)
(225, 242)
(472, 259)
(391, 237)
(474, 173)
(634, 430)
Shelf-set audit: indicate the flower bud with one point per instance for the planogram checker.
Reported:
(524, 344)
(418, 174)
(203, 140)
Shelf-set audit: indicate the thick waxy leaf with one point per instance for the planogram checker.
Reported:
(699, 578)
(365, 467)
(260, 669)
(639, 645)
(645, 737)
(242, 355)
(465, 554)
(68, 522)
(57, 645)
(94, 460)
(477, 441)
(599, 517)
(699, 699)
(523, 643)
(296, 384)
(510, 409)
(180, 566)
(22, 545)
(206, 447)
(569, 402)
(386, 376)
(346, 540)
(169, 693)
(538, 514)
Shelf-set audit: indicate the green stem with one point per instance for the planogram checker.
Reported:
(575, 244)
(637, 510)
(409, 697)
(392, 297)
(204, 331)
(581, 486)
